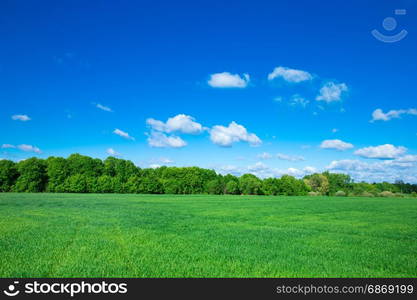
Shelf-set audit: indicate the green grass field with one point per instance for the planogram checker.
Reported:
(73, 235)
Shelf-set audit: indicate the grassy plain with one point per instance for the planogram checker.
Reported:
(111, 235)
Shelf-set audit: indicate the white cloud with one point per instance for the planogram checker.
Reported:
(180, 123)
(229, 169)
(331, 92)
(310, 170)
(290, 75)
(123, 134)
(290, 157)
(334, 130)
(154, 166)
(298, 100)
(407, 158)
(102, 107)
(112, 152)
(22, 118)
(8, 146)
(379, 115)
(228, 80)
(259, 166)
(29, 148)
(386, 151)
(161, 140)
(336, 144)
(387, 170)
(226, 136)
(265, 155)
(23, 147)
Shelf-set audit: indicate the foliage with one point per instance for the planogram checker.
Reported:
(83, 174)
(340, 194)
(8, 175)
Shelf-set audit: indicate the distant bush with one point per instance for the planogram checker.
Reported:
(399, 195)
(386, 194)
(413, 194)
(340, 194)
(313, 194)
(367, 194)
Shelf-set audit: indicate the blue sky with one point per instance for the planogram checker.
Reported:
(267, 87)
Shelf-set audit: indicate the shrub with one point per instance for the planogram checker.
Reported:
(386, 194)
(413, 194)
(313, 194)
(340, 194)
(367, 194)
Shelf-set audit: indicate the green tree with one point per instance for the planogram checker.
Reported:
(271, 186)
(249, 184)
(291, 186)
(232, 187)
(77, 183)
(57, 170)
(318, 183)
(105, 184)
(215, 187)
(8, 175)
(33, 177)
(338, 182)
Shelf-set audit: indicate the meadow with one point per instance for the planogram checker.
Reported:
(120, 235)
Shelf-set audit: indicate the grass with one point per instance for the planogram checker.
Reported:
(74, 235)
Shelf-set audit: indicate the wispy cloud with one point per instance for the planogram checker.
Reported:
(379, 115)
(290, 157)
(102, 107)
(22, 118)
(112, 152)
(123, 134)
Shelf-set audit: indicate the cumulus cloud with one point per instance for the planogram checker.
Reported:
(180, 123)
(123, 134)
(290, 75)
(105, 108)
(387, 170)
(331, 92)
(262, 170)
(379, 115)
(226, 136)
(336, 144)
(161, 140)
(22, 118)
(228, 80)
(112, 152)
(386, 151)
(290, 157)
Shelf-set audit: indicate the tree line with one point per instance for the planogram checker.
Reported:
(83, 174)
